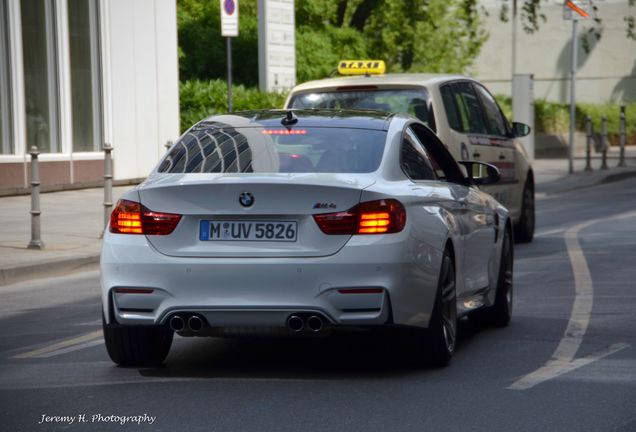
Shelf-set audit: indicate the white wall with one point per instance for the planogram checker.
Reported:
(607, 73)
(141, 83)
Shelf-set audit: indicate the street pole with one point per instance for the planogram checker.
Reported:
(622, 132)
(229, 74)
(513, 66)
(108, 184)
(572, 98)
(36, 240)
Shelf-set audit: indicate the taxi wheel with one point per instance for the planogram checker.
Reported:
(524, 230)
(499, 314)
(137, 345)
(442, 332)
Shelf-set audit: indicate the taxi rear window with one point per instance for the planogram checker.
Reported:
(411, 101)
(276, 150)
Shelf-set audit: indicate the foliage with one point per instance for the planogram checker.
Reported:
(553, 117)
(202, 49)
(411, 35)
(200, 99)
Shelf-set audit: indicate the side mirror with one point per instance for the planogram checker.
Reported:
(481, 173)
(520, 129)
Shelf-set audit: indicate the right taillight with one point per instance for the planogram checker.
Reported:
(374, 217)
(130, 217)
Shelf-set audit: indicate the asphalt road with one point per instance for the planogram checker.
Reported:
(567, 362)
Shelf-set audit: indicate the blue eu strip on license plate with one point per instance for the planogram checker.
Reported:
(278, 231)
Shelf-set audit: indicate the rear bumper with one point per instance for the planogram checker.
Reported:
(263, 292)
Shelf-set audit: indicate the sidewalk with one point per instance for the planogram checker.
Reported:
(72, 220)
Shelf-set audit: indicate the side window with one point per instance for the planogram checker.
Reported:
(470, 111)
(444, 166)
(413, 158)
(496, 120)
(451, 109)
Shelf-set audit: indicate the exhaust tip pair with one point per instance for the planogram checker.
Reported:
(313, 323)
(193, 323)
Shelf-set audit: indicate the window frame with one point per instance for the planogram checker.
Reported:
(420, 148)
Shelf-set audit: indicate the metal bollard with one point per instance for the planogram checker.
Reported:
(108, 183)
(604, 141)
(36, 241)
(622, 133)
(588, 143)
(168, 144)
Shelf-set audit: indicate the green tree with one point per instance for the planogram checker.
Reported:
(202, 49)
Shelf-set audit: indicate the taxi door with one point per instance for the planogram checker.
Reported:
(479, 134)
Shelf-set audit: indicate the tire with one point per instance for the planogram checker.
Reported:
(500, 313)
(137, 345)
(524, 229)
(441, 336)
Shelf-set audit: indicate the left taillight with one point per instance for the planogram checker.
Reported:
(130, 217)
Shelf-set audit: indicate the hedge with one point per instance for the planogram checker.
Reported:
(553, 117)
(200, 99)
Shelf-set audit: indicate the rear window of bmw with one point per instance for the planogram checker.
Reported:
(276, 150)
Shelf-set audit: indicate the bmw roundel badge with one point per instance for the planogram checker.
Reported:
(246, 199)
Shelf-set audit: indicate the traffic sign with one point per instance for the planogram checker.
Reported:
(229, 18)
(577, 9)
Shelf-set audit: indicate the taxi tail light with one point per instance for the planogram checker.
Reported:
(131, 217)
(385, 216)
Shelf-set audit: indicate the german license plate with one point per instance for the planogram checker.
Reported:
(218, 230)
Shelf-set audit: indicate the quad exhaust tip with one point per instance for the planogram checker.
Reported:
(177, 323)
(314, 323)
(195, 323)
(295, 323)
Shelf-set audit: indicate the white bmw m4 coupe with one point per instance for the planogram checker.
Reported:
(300, 222)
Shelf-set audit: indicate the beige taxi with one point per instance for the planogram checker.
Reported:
(459, 109)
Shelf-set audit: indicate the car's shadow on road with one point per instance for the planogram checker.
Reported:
(359, 355)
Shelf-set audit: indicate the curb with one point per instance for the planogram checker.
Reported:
(46, 269)
(609, 178)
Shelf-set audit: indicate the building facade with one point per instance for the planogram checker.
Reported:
(75, 74)
(607, 72)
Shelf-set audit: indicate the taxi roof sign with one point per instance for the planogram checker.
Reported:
(361, 67)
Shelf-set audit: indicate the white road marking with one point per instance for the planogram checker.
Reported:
(60, 345)
(77, 347)
(562, 360)
(549, 232)
(555, 368)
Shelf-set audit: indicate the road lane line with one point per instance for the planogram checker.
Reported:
(555, 368)
(562, 360)
(59, 345)
(78, 347)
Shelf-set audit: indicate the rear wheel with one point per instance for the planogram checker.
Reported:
(441, 336)
(500, 313)
(137, 345)
(524, 229)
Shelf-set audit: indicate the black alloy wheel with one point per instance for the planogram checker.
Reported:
(524, 230)
(500, 313)
(442, 337)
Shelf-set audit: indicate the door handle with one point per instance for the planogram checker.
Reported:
(476, 155)
(502, 156)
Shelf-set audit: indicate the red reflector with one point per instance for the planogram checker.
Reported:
(284, 132)
(130, 217)
(373, 217)
(361, 291)
(133, 290)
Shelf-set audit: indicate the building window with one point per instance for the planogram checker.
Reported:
(6, 136)
(85, 78)
(40, 75)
